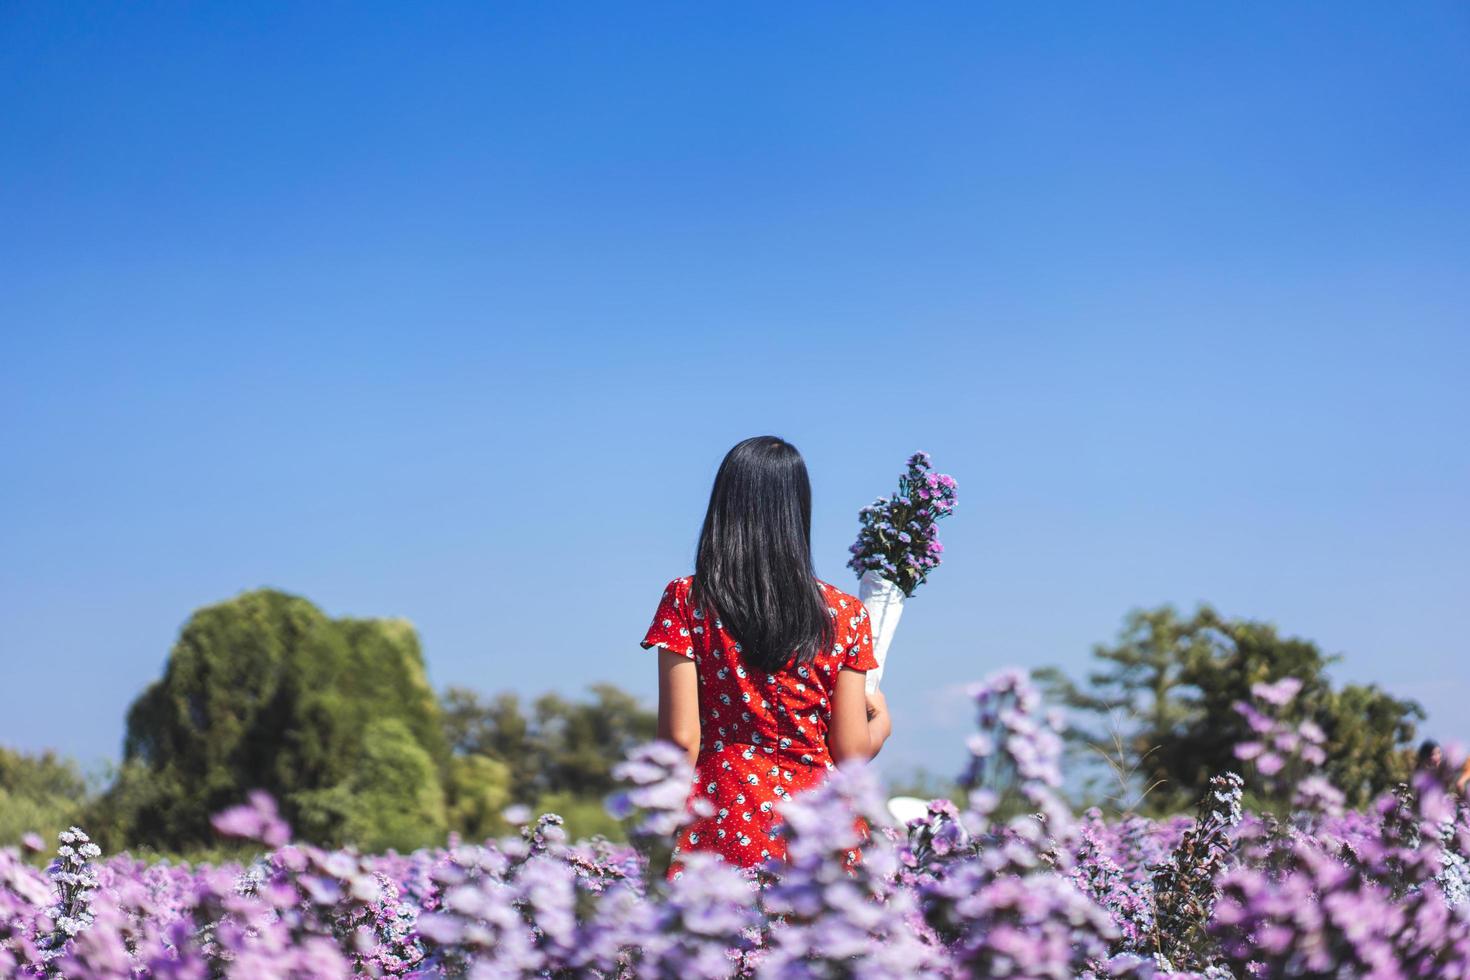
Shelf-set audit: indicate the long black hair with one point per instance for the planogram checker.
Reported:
(1427, 748)
(754, 566)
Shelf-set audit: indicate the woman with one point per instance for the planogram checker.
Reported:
(761, 664)
(1430, 757)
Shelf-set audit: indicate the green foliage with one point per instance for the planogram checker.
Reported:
(585, 816)
(1217, 672)
(139, 809)
(580, 742)
(43, 793)
(478, 791)
(337, 720)
(265, 691)
(1370, 738)
(389, 679)
(563, 747)
(1162, 703)
(1134, 693)
(558, 758)
(391, 799)
(496, 729)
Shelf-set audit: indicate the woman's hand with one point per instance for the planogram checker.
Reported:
(879, 724)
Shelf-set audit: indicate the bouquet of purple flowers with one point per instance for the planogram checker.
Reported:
(898, 539)
(898, 546)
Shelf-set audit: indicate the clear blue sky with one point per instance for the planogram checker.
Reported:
(449, 311)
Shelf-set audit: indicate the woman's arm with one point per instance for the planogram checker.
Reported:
(860, 724)
(880, 726)
(678, 702)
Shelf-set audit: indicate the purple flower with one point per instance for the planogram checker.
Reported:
(1284, 752)
(257, 820)
(1280, 693)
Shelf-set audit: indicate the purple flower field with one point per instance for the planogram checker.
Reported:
(1007, 882)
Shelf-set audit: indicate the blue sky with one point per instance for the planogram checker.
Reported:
(450, 311)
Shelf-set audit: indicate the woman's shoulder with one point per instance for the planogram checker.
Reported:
(680, 584)
(837, 599)
(678, 589)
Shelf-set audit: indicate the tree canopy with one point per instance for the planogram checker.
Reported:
(264, 691)
(38, 792)
(1160, 706)
(559, 747)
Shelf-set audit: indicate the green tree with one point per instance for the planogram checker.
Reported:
(386, 671)
(44, 793)
(580, 742)
(1370, 735)
(497, 729)
(265, 691)
(478, 790)
(1215, 676)
(561, 747)
(1162, 705)
(391, 799)
(1134, 695)
(556, 758)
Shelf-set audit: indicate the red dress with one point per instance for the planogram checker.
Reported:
(763, 735)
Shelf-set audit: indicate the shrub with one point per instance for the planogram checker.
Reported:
(265, 691)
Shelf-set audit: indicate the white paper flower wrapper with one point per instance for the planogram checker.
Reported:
(884, 602)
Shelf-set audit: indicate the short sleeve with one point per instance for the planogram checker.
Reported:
(859, 652)
(670, 627)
